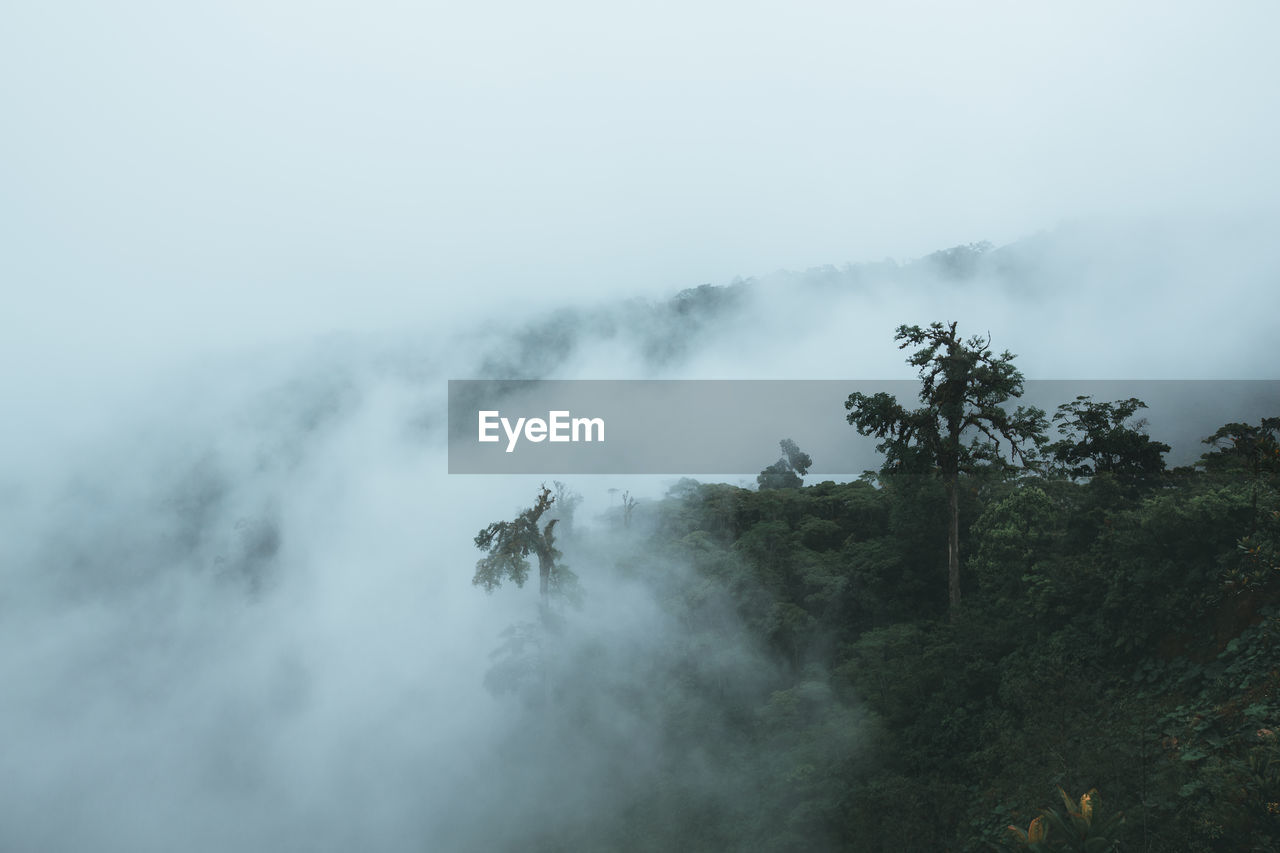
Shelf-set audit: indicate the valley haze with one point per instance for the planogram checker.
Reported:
(244, 246)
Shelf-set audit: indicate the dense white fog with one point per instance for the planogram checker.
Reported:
(243, 247)
(237, 609)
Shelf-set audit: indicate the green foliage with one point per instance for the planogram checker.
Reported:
(963, 389)
(1167, 556)
(963, 424)
(1098, 440)
(509, 544)
(787, 472)
(1117, 636)
(1254, 450)
(1075, 828)
(1121, 633)
(1016, 536)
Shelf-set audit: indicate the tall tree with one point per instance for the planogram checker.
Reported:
(509, 544)
(963, 423)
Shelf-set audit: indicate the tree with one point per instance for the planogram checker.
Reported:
(1254, 449)
(628, 507)
(566, 501)
(1253, 452)
(963, 389)
(1097, 440)
(786, 473)
(509, 544)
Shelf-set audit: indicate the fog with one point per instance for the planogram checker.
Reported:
(237, 609)
(243, 247)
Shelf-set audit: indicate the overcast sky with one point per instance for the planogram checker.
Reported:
(185, 186)
(218, 172)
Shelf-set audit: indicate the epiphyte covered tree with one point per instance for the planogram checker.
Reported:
(1097, 440)
(962, 423)
(509, 544)
(787, 472)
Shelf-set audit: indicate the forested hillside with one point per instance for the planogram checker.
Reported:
(296, 557)
(1106, 680)
(1115, 634)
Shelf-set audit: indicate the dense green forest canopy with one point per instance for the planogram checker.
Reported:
(1120, 633)
(1110, 684)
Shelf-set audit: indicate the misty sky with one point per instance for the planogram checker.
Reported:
(221, 173)
(244, 244)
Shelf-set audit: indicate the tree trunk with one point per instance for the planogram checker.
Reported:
(546, 551)
(953, 546)
(544, 575)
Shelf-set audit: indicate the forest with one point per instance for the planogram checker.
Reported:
(250, 601)
(1024, 631)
